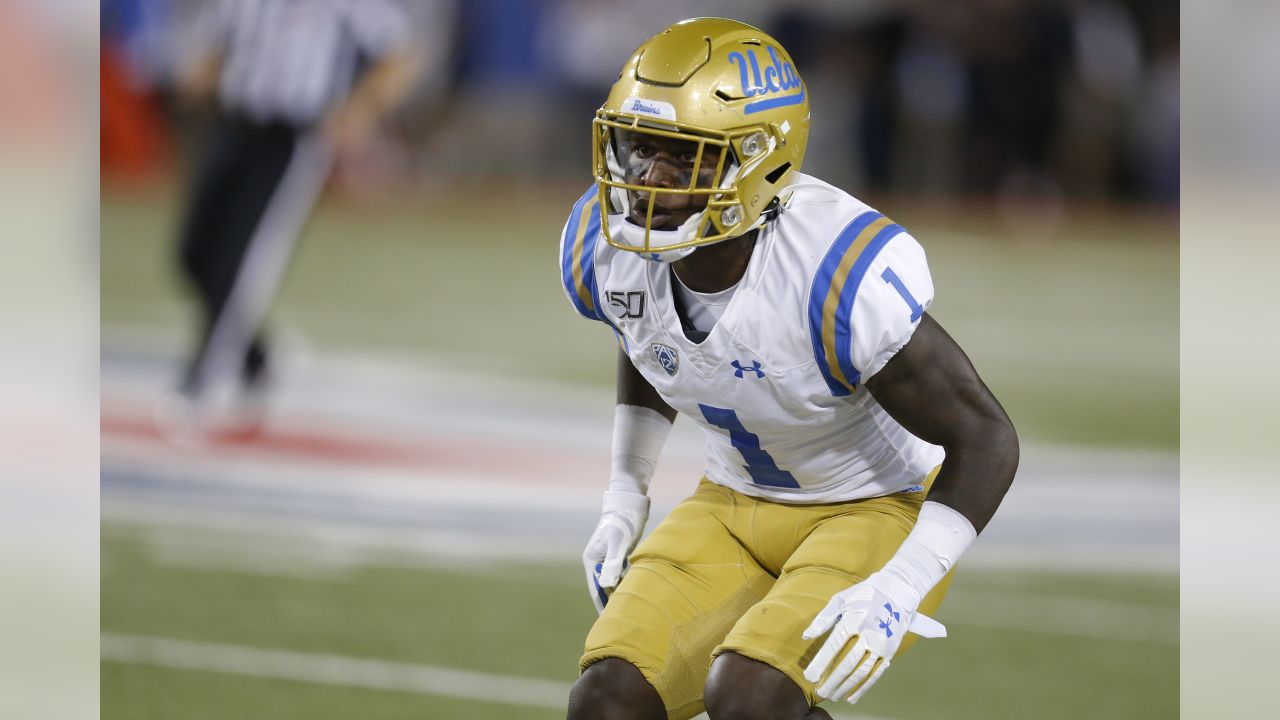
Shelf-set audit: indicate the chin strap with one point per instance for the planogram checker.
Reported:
(633, 235)
(772, 212)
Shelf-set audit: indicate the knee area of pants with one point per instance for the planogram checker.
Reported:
(751, 691)
(609, 688)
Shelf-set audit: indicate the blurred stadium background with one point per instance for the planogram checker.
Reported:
(402, 539)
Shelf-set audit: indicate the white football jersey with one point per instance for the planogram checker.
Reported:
(833, 289)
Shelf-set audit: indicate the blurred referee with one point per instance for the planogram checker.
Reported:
(296, 82)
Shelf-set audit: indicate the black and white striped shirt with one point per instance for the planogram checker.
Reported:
(292, 60)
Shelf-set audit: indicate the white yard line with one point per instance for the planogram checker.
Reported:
(344, 671)
(341, 670)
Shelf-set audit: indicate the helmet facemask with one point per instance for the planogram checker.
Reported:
(668, 189)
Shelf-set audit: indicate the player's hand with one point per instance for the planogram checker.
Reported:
(874, 615)
(605, 559)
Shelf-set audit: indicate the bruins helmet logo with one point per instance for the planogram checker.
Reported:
(701, 133)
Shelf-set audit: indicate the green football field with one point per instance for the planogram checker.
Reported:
(1043, 651)
(1075, 330)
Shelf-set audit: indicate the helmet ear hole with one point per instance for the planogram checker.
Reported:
(777, 173)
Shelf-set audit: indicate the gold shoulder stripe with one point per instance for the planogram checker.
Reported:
(584, 294)
(833, 296)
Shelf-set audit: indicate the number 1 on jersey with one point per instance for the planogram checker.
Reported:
(892, 278)
(760, 465)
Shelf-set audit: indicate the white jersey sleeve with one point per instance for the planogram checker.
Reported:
(866, 300)
(578, 241)
(890, 302)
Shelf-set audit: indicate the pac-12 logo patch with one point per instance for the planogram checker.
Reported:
(667, 358)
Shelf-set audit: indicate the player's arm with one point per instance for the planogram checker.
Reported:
(641, 422)
(634, 390)
(930, 387)
(932, 390)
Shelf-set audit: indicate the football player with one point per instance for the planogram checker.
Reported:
(853, 453)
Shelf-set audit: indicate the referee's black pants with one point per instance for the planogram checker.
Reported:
(255, 185)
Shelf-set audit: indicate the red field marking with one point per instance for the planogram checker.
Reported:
(336, 444)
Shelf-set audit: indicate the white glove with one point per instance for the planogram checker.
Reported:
(876, 612)
(605, 559)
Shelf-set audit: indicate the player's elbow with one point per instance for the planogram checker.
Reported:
(991, 427)
(1006, 447)
(990, 435)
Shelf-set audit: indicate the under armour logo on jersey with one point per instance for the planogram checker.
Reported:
(755, 368)
(887, 621)
(667, 357)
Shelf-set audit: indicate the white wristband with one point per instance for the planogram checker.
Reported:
(940, 537)
(638, 436)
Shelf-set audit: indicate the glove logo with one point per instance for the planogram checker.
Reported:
(595, 582)
(885, 622)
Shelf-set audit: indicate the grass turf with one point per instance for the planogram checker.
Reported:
(1076, 334)
(529, 621)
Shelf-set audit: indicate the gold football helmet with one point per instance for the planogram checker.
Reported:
(705, 126)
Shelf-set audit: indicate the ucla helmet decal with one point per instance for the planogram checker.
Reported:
(718, 110)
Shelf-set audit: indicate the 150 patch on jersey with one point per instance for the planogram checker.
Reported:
(626, 304)
(667, 358)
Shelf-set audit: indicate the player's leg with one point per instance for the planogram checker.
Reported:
(739, 688)
(840, 546)
(689, 582)
(614, 689)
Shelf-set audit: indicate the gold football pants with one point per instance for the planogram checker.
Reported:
(729, 572)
